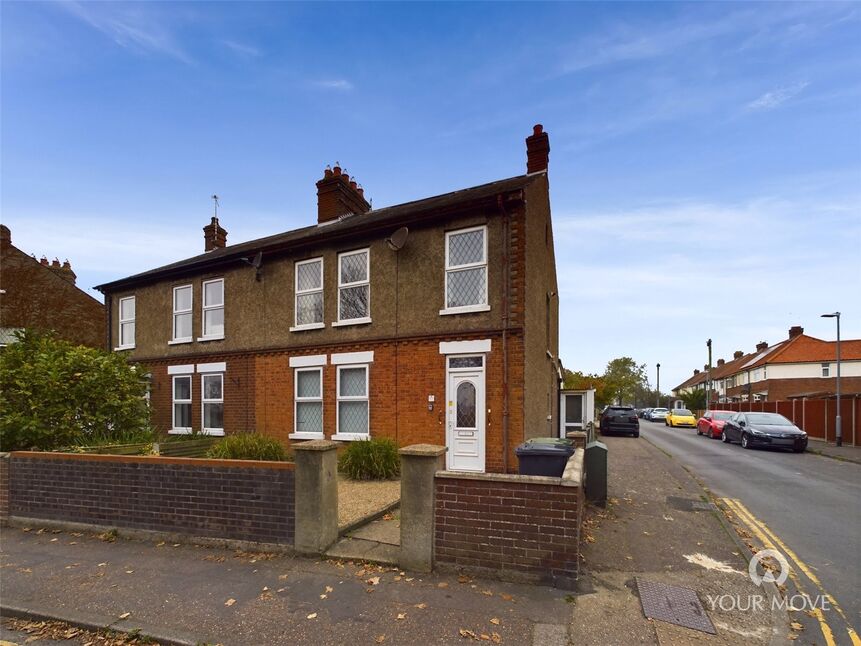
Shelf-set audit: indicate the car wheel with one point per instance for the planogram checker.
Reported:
(636, 434)
(798, 449)
(698, 431)
(745, 441)
(724, 438)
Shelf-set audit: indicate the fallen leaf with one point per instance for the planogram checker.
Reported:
(360, 573)
(463, 579)
(322, 596)
(421, 606)
(796, 626)
(159, 544)
(313, 615)
(282, 577)
(487, 593)
(125, 615)
(329, 588)
(280, 589)
(374, 580)
(101, 565)
(129, 571)
(369, 590)
(53, 540)
(397, 578)
(409, 578)
(401, 615)
(484, 637)
(230, 602)
(496, 638)
(506, 597)
(380, 639)
(73, 542)
(470, 634)
(495, 621)
(443, 584)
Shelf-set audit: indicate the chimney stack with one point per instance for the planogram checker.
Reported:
(738, 354)
(696, 371)
(721, 362)
(537, 150)
(338, 195)
(705, 367)
(64, 271)
(5, 237)
(214, 236)
(795, 330)
(762, 345)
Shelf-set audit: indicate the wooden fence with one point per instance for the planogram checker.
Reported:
(815, 416)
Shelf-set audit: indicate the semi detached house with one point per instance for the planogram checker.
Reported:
(434, 321)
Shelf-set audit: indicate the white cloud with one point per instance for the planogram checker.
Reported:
(342, 85)
(248, 51)
(775, 98)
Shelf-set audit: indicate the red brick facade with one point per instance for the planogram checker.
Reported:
(516, 529)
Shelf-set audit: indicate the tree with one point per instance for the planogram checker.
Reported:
(576, 380)
(624, 377)
(695, 400)
(55, 394)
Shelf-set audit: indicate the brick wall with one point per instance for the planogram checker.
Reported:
(232, 499)
(516, 527)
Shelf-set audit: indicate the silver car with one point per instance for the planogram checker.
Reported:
(658, 414)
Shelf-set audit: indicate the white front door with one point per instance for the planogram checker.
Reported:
(465, 414)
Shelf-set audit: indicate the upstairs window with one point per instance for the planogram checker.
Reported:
(309, 293)
(213, 309)
(354, 287)
(182, 298)
(127, 322)
(466, 270)
(826, 369)
(213, 404)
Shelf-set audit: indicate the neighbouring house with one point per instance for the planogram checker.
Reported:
(434, 321)
(695, 382)
(41, 295)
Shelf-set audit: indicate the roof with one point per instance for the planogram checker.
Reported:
(386, 216)
(730, 367)
(694, 380)
(803, 349)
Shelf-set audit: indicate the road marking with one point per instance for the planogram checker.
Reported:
(770, 539)
(808, 571)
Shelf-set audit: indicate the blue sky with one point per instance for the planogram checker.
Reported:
(705, 165)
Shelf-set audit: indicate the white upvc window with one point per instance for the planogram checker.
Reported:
(309, 295)
(212, 402)
(127, 323)
(354, 287)
(181, 404)
(353, 409)
(308, 403)
(213, 309)
(466, 271)
(182, 314)
(826, 369)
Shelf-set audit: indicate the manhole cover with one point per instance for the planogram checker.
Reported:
(689, 504)
(675, 605)
(703, 506)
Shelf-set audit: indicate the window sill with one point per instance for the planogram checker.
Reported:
(464, 310)
(309, 326)
(122, 348)
(361, 321)
(180, 341)
(187, 431)
(211, 338)
(351, 437)
(306, 436)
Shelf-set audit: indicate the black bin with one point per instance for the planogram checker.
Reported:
(537, 458)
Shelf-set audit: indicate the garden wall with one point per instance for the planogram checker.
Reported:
(515, 527)
(226, 499)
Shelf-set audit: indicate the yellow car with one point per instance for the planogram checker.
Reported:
(680, 417)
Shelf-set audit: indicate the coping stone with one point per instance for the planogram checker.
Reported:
(315, 445)
(426, 450)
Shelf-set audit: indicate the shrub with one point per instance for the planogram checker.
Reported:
(54, 393)
(372, 459)
(248, 446)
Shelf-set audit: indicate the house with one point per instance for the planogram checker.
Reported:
(797, 366)
(697, 381)
(433, 321)
(41, 295)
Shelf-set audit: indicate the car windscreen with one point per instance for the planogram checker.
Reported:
(683, 412)
(723, 416)
(659, 410)
(772, 419)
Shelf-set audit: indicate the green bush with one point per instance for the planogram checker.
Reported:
(56, 394)
(372, 459)
(248, 446)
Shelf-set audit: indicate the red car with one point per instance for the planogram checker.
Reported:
(711, 423)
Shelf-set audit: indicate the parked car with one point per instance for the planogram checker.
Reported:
(643, 413)
(680, 417)
(620, 419)
(764, 429)
(711, 423)
(657, 414)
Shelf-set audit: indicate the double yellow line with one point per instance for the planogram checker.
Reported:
(770, 540)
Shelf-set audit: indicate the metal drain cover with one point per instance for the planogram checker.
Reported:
(675, 605)
(689, 504)
(703, 506)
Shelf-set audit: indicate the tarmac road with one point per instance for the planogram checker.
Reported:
(812, 504)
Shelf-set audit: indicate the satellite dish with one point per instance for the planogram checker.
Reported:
(398, 239)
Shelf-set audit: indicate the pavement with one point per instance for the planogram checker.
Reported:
(187, 594)
(651, 529)
(831, 450)
(804, 505)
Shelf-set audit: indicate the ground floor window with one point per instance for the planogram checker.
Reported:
(212, 387)
(309, 401)
(182, 403)
(353, 414)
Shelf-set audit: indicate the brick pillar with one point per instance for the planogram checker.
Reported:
(316, 496)
(419, 464)
(5, 465)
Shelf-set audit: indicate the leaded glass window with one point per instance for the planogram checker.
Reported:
(466, 268)
(466, 405)
(353, 400)
(354, 286)
(309, 400)
(309, 292)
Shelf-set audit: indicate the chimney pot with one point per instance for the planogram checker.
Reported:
(337, 169)
(795, 330)
(706, 366)
(721, 362)
(537, 150)
(696, 371)
(55, 263)
(44, 261)
(738, 354)
(328, 171)
(339, 195)
(762, 345)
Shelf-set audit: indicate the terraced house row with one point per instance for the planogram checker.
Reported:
(432, 321)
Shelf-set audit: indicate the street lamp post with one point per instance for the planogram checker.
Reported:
(658, 404)
(708, 372)
(838, 431)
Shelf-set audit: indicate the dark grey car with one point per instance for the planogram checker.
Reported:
(764, 429)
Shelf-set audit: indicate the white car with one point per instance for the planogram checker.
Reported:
(658, 414)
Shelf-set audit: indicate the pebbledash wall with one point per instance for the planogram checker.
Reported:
(222, 499)
(521, 528)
